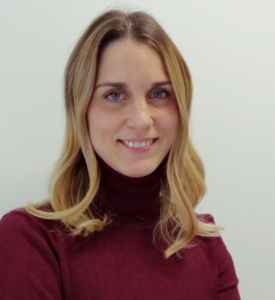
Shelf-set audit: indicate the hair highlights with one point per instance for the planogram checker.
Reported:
(75, 180)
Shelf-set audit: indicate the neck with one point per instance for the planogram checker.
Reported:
(128, 196)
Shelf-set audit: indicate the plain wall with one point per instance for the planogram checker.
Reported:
(229, 47)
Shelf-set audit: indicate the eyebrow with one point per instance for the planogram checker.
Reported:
(124, 85)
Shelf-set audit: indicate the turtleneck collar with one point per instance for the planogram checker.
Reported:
(125, 196)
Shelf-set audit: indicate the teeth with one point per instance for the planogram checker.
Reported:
(142, 144)
(138, 144)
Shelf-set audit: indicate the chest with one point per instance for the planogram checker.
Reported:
(126, 264)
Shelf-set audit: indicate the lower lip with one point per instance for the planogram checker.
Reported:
(139, 150)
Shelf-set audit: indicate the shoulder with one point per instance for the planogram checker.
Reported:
(206, 218)
(19, 215)
(214, 244)
(27, 256)
(218, 254)
(19, 219)
(18, 228)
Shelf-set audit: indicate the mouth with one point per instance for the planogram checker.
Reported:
(138, 144)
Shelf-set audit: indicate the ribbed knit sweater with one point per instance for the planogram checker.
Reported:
(41, 260)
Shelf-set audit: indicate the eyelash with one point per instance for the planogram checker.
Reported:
(167, 94)
(108, 96)
(152, 95)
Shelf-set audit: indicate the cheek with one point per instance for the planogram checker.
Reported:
(172, 119)
(97, 133)
(100, 124)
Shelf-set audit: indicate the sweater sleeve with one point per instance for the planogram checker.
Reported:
(29, 267)
(227, 278)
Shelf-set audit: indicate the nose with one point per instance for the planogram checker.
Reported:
(140, 115)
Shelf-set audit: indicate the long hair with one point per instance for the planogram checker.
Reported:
(76, 177)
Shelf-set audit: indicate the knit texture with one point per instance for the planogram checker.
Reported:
(41, 260)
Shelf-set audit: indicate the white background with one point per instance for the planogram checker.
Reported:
(230, 49)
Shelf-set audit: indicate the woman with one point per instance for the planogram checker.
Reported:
(120, 220)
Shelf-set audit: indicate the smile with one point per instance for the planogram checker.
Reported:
(138, 144)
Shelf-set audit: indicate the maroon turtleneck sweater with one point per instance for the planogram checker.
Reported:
(39, 260)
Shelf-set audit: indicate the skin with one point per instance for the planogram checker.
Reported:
(133, 103)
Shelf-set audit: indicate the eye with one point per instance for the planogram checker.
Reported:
(114, 96)
(160, 94)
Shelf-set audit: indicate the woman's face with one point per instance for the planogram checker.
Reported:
(133, 115)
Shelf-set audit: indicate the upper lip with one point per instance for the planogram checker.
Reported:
(138, 139)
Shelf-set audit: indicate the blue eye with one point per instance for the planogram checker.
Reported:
(160, 94)
(114, 96)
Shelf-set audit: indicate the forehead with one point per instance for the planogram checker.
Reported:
(129, 60)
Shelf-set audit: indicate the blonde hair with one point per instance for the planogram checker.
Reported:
(75, 181)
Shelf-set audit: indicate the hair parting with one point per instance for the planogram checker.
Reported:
(75, 180)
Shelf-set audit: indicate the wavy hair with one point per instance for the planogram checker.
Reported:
(75, 180)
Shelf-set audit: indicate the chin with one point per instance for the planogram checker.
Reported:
(138, 171)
